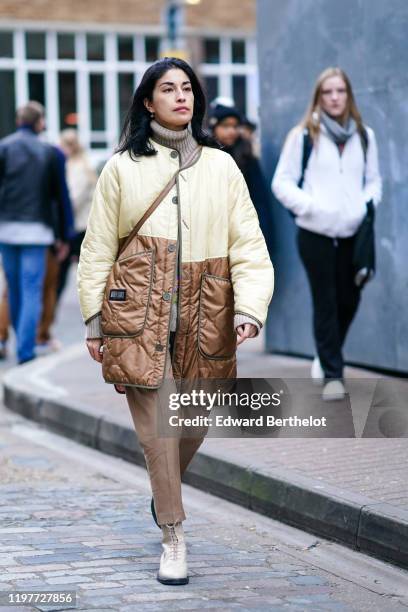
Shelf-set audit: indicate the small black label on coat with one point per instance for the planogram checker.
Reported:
(118, 295)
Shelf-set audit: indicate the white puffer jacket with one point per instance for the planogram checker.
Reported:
(333, 197)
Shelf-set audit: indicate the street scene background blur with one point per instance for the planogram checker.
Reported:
(84, 60)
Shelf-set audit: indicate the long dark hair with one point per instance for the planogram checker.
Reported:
(136, 128)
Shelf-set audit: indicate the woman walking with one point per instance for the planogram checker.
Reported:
(195, 278)
(327, 175)
(81, 179)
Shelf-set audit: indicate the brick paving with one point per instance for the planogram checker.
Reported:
(68, 525)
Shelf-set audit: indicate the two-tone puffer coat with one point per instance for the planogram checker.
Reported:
(225, 267)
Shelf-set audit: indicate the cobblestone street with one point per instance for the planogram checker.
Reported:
(75, 519)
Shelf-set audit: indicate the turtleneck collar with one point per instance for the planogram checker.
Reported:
(182, 141)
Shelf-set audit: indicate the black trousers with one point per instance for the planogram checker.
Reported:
(335, 297)
(74, 251)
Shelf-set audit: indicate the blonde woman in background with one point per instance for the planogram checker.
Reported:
(329, 201)
(81, 179)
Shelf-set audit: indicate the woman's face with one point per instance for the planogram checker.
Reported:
(333, 96)
(172, 100)
(227, 131)
(68, 146)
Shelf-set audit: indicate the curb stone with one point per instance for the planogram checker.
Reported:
(375, 528)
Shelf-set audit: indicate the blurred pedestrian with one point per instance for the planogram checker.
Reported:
(56, 258)
(56, 255)
(225, 123)
(29, 186)
(247, 129)
(328, 177)
(81, 178)
(165, 260)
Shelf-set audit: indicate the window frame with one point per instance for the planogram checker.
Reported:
(112, 67)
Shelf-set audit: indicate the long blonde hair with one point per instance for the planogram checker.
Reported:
(311, 120)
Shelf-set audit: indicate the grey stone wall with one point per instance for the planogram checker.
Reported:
(369, 39)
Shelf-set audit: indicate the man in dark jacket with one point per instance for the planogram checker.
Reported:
(31, 216)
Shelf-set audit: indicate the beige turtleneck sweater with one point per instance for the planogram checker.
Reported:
(184, 142)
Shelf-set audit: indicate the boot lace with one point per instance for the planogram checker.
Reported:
(174, 542)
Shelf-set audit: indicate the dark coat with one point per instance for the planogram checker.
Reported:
(259, 191)
(30, 186)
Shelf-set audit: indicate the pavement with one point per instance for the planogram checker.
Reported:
(73, 520)
(351, 490)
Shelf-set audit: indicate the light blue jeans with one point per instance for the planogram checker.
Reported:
(24, 267)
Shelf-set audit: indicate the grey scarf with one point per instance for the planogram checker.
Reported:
(337, 132)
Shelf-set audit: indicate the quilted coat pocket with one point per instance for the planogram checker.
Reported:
(216, 333)
(127, 295)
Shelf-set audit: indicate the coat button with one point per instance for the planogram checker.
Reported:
(171, 248)
(174, 154)
(175, 200)
(166, 296)
(159, 347)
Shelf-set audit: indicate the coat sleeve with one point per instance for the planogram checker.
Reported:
(288, 173)
(100, 244)
(373, 184)
(251, 269)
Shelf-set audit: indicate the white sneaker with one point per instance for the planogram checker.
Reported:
(173, 562)
(316, 372)
(333, 390)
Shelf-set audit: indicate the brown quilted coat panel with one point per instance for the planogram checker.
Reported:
(136, 330)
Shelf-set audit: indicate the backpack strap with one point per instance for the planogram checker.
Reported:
(364, 145)
(308, 146)
(306, 153)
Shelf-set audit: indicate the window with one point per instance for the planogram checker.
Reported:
(78, 69)
(152, 44)
(6, 44)
(238, 52)
(98, 144)
(97, 99)
(35, 45)
(126, 88)
(36, 87)
(125, 48)
(212, 51)
(211, 87)
(239, 92)
(67, 100)
(95, 47)
(66, 46)
(7, 124)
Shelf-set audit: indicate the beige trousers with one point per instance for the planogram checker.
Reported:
(166, 458)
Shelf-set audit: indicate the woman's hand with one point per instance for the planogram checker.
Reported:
(94, 346)
(248, 330)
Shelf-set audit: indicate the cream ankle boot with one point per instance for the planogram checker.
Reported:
(173, 562)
